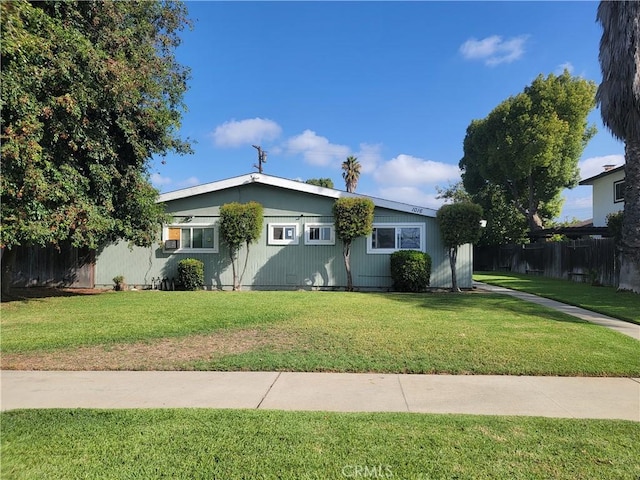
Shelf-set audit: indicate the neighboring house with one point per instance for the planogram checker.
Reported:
(608, 193)
(298, 248)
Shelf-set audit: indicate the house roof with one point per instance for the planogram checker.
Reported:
(590, 180)
(294, 185)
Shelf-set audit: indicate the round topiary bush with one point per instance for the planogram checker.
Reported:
(410, 270)
(191, 274)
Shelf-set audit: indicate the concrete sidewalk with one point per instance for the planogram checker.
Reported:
(605, 398)
(627, 328)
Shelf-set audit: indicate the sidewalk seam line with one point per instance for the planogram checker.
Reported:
(404, 397)
(268, 390)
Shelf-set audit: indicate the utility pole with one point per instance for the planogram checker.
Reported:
(262, 158)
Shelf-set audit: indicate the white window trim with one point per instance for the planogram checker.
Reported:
(387, 251)
(617, 199)
(216, 238)
(309, 226)
(273, 241)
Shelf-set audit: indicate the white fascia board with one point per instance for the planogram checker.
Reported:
(290, 185)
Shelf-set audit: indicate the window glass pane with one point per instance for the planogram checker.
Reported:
(197, 238)
(185, 240)
(314, 233)
(207, 239)
(410, 238)
(383, 238)
(325, 233)
(289, 233)
(619, 191)
(278, 233)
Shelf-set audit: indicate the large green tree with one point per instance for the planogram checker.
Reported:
(530, 144)
(619, 99)
(505, 224)
(91, 91)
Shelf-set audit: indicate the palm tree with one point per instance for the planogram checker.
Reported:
(351, 173)
(619, 99)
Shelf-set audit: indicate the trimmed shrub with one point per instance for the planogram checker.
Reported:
(410, 270)
(191, 274)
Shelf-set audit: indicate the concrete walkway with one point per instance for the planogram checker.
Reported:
(627, 328)
(580, 397)
(605, 398)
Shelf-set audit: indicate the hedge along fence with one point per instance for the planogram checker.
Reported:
(410, 270)
(191, 274)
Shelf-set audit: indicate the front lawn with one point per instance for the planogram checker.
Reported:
(471, 333)
(240, 444)
(606, 300)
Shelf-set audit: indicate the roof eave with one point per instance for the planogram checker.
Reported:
(290, 185)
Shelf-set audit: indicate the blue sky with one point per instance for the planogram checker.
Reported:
(394, 83)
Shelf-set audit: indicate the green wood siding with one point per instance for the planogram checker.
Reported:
(277, 266)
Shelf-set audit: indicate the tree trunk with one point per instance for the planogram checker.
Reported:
(630, 244)
(346, 251)
(244, 269)
(232, 256)
(535, 222)
(8, 260)
(453, 259)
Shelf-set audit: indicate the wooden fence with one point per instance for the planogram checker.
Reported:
(64, 267)
(591, 260)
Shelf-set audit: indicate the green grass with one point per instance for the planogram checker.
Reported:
(342, 332)
(250, 444)
(606, 300)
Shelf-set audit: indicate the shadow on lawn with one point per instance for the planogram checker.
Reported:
(490, 302)
(22, 294)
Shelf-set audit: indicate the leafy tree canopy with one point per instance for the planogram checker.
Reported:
(530, 144)
(353, 217)
(505, 223)
(320, 182)
(459, 223)
(90, 92)
(241, 223)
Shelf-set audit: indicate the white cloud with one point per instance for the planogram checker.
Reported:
(494, 50)
(244, 132)
(158, 180)
(564, 66)
(189, 182)
(369, 157)
(411, 196)
(407, 170)
(577, 205)
(593, 166)
(317, 150)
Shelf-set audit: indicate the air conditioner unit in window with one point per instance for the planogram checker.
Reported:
(171, 244)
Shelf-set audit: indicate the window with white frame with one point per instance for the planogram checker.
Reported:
(391, 237)
(618, 191)
(283, 234)
(319, 234)
(190, 238)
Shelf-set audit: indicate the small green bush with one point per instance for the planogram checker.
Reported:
(191, 273)
(410, 270)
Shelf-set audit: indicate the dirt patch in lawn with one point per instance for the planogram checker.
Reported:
(27, 293)
(162, 354)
